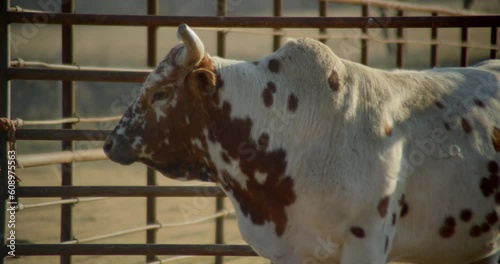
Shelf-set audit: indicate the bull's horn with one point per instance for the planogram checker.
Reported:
(193, 47)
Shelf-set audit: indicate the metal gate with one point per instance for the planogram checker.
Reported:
(12, 70)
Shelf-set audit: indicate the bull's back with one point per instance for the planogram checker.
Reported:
(450, 170)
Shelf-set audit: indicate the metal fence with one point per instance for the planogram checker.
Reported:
(12, 70)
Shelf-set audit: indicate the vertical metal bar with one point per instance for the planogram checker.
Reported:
(323, 9)
(221, 36)
(364, 42)
(278, 6)
(399, 46)
(153, 9)
(4, 112)
(434, 47)
(68, 110)
(493, 41)
(464, 50)
(219, 201)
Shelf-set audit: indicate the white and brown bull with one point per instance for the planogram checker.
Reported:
(326, 160)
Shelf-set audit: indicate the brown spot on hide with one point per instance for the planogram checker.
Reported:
(485, 227)
(386, 244)
(475, 231)
(394, 218)
(486, 187)
(439, 105)
(387, 129)
(495, 181)
(404, 206)
(479, 103)
(274, 65)
(333, 81)
(466, 215)
(293, 103)
(446, 126)
(492, 217)
(496, 139)
(466, 126)
(493, 167)
(267, 94)
(383, 205)
(358, 231)
(448, 228)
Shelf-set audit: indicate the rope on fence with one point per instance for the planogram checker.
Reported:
(158, 226)
(409, 7)
(53, 158)
(20, 122)
(20, 9)
(20, 63)
(9, 126)
(75, 120)
(172, 259)
(64, 201)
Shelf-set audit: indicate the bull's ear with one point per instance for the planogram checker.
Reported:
(201, 81)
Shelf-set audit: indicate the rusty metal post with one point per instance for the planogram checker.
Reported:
(4, 112)
(151, 175)
(493, 41)
(464, 56)
(323, 9)
(434, 47)
(399, 46)
(68, 110)
(364, 42)
(277, 12)
(219, 201)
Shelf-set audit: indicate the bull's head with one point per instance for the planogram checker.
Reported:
(164, 127)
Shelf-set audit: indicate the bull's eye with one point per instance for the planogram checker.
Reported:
(160, 96)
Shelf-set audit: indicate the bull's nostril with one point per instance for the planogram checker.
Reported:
(108, 145)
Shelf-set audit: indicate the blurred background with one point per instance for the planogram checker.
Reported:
(125, 47)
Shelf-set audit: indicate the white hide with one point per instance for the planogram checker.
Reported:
(342, 163)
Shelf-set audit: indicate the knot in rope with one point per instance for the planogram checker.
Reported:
(9, 126)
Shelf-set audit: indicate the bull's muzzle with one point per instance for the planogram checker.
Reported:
(118, 149)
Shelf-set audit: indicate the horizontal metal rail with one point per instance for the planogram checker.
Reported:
(277, 22)
(288, 33)
(135, 76)
(133, 249)
(62, 134)
(409, 7)
(120, 191)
